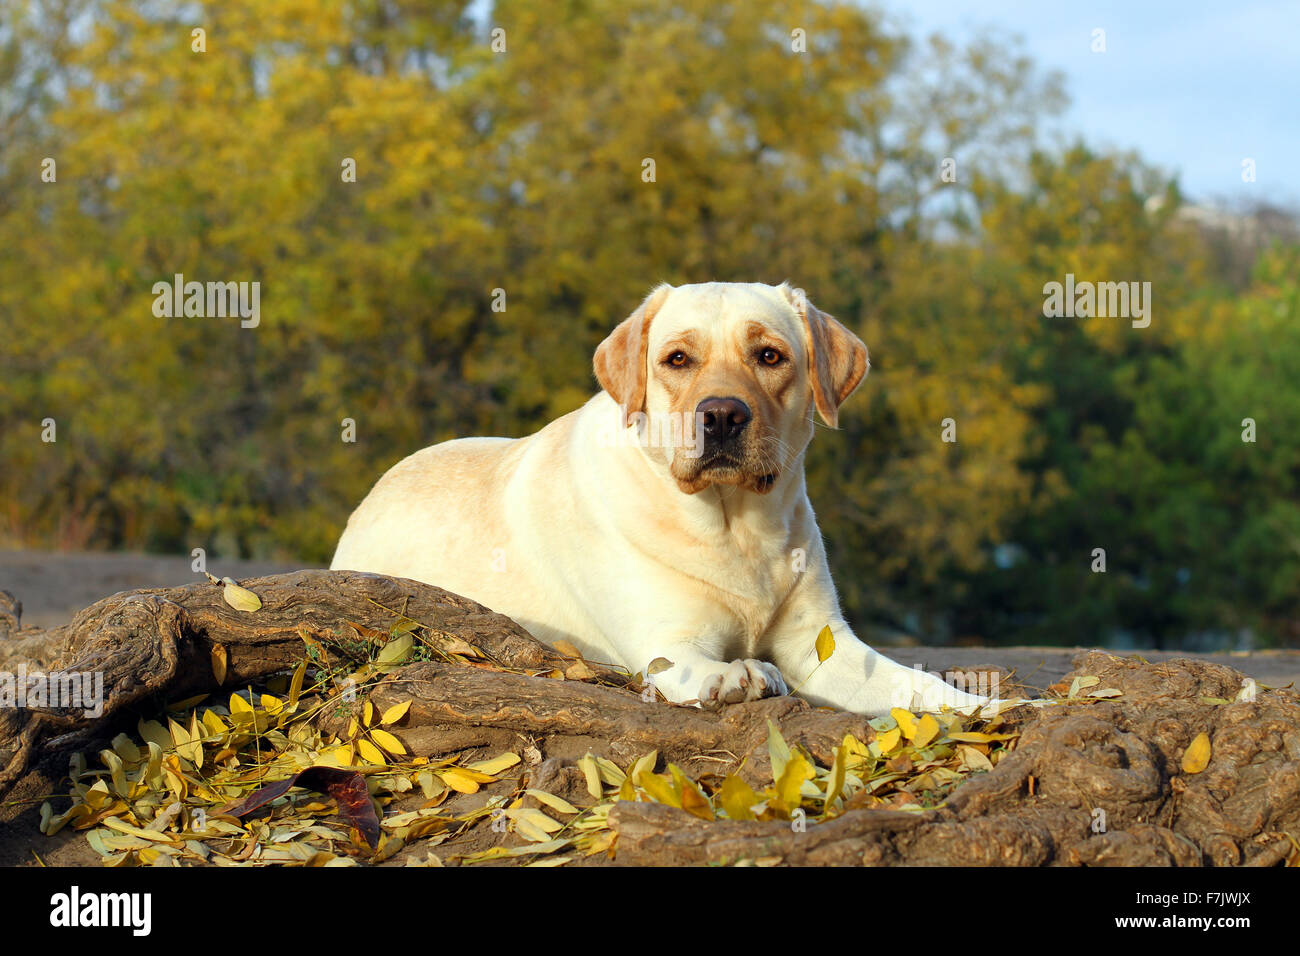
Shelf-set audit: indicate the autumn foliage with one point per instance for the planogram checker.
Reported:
(524, 169)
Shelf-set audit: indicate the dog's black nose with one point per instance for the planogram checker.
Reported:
(723, 418)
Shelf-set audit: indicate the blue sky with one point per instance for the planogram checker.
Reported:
(1194, 87)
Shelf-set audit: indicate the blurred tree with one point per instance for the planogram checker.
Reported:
(523, 174)
(1141, 442)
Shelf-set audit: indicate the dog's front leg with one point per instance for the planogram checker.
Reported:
(859, 679)
(855, 677)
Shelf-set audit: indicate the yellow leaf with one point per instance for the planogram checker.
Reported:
(1197, 756)
(370, 752)
(121, 826)
(579, 670)
(609, 772)
(927, 728)
(155, 733)
(658, 666)
(567, 649)
(98, 797)
(797, 770)
(906, 721)
(825, 644)
(659, 789)
(219, 660)
(643, 766)
(404, 626)
(195, 756)
(693, 801)
(592, 772)
(397, 650)
(972, 759)
(778, 751)
(431, 785)
(118, 772)
(496, 764)
(737, 798)
(552, 801)
(395, 713)
(126, 748)
(696, 803)
(368, 714)
(151, 773)
(295, 685)
(475, 775)
(889, 740)
(535, 817)
(855, 746)
(241, 599)
(836, 782)
(460, 782)
(341, 755)
(974, 737)
(187, 704)
(179, 734)
(239, 705)
(601, 843)
(387, 741)
(214, 724)
(527, 829)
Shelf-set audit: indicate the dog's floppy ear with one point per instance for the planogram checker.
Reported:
(620, 361)
(837, 359)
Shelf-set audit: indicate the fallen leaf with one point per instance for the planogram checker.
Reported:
(241, 599)
(901, 763)
(927, 728)
(495, 765)
(370, 753)
(906, 721)
(347, 787)
(387, 741)
(579, 670)
(592, 774)
(459, 781)
(1197, 756)
(658, 666)
(397, 650)
(219, 660)
(552, 801)
(778, 750)
(889, 740)
(737, 798)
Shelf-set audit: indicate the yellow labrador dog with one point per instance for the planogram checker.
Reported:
(667, 517)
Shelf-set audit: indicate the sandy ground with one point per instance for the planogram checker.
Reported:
(54, 586)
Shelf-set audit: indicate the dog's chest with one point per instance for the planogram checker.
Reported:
(750, 575)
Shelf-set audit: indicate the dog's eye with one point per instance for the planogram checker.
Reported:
(770, 357)
(677, 359)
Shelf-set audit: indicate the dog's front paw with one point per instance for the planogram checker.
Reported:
(742, 680)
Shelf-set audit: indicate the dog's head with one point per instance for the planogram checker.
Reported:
(730, 372)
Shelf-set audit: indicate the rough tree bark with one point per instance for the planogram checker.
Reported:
(1117, 761)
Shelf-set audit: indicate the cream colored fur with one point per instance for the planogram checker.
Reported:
(580, 533)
